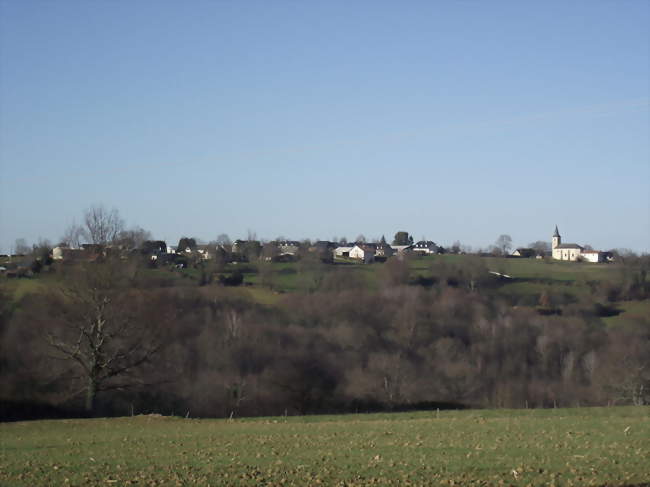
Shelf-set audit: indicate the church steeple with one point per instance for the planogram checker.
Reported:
(556, 240)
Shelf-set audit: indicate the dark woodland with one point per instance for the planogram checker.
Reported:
(115, 339)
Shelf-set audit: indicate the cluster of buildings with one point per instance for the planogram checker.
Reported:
(369, 252)
(566, 251)
(286, 250)
(243, 250)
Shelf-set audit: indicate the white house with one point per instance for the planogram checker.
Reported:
(57, 253)
(425, 247)
(401, 249)
(384, 250)
(593, 256)
(67, 253)
(288, 247)
(342, 251)
(205, 252)
(365, 254)
(523, 252)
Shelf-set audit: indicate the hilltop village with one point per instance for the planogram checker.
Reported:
(189, 251)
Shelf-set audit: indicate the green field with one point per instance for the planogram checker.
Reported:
(583, 446)
(567, 281)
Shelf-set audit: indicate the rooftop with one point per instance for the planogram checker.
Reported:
(569, 246)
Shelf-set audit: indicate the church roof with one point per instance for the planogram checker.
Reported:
(556, 234)
(569, 246)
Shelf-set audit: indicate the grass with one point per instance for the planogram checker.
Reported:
(630, 310)
(17, 288)
(588, 446)
(566, 281)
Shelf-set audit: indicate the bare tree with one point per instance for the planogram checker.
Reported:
(102, 226)
(223, 239)
(100, 327)
(21, 247)
(504, 244)
(134, 238)
(541, 247)
(73, 236)
(42, 249)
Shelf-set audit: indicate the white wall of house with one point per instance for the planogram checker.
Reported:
(342, 251)
(205, 254)
(400, 249)
(592, 256)
(385, 251)
(366, 256)
(288, 249)
(357, 253)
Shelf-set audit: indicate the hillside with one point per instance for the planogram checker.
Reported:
(311, 337)
(565, 282)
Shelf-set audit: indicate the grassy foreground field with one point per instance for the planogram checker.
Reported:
(588, 446)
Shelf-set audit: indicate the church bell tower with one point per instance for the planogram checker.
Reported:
(556, 240)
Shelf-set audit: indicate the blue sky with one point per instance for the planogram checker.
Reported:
(451, 120)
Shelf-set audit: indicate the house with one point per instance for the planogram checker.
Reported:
(573, 252)
(342, 251)
(364, 253)
(154, 248)
(205, 251)
(57, 252)
(94, 248)
(524, 252)
(594, 256)
(62, 253)
(402, 249)
(425, 247)
(238, 246)
(384, 250)
(288, 247)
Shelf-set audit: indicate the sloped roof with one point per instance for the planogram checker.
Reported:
(556, 234)
(401, 247)
(422, 244)
(569, 246)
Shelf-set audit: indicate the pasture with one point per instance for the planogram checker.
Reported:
(266, 283)
(583, 446)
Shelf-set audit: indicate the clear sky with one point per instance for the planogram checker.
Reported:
(453, 120)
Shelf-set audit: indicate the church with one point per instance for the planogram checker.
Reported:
(573, 252)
